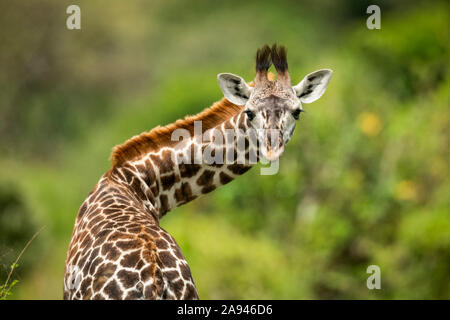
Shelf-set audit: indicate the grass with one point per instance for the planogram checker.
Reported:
(6, 288)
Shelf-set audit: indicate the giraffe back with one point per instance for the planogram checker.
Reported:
(119, 251)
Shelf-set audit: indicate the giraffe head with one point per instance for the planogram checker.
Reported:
(273, 106)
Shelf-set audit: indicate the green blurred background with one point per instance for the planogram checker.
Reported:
(364, 180)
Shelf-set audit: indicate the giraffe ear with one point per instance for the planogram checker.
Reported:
(313, 85)
(234, 88)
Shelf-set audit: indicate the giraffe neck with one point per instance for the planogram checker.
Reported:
(199, 160)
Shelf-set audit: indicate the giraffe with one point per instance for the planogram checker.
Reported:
(118, 250)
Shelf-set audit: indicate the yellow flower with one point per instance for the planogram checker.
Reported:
(369, 123)
(406, 190)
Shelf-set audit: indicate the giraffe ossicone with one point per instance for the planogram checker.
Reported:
(118, 249)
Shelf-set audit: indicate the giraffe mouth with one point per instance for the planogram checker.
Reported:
(273, 154)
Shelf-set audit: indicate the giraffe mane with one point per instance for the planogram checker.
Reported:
(159, 137)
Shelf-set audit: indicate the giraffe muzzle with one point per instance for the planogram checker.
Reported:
(273, 145)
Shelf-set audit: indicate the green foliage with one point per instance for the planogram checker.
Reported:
(6, 290)
(364, 180)
(16, 227)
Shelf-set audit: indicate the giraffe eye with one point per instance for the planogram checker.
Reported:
(249, 114)
(296, 113)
